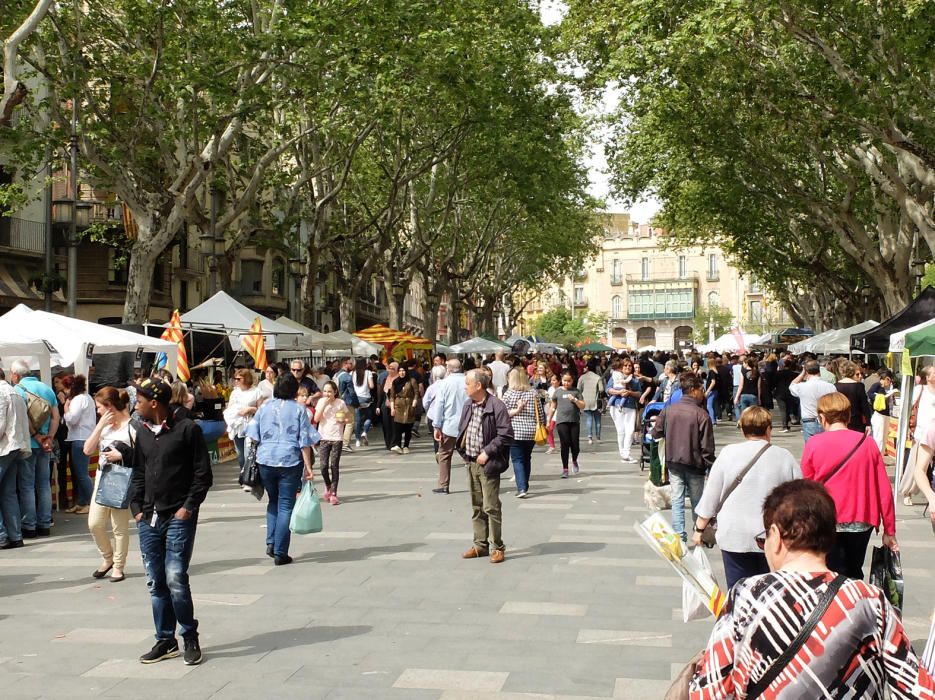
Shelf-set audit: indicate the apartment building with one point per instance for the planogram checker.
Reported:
(651, 295)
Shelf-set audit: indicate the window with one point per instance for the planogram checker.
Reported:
(616, 307)
(644, 269)
(579, 296)
(683, 267)
(116, 270)
(662, 303)
(756, 311)
(278, 279)
(159, 275)
(712, 266)
(616, 272)
(251, 276)
(755, 287)
(714, 300)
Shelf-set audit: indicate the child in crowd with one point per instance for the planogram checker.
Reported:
(331, 415)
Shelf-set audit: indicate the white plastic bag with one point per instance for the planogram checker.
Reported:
(693, 606)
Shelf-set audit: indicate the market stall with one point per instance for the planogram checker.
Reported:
(833, 342)
(398, 344)
(478, 345)
(359, 347)
(876, 341)
(224, 315)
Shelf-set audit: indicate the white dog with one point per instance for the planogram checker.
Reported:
(657, 497)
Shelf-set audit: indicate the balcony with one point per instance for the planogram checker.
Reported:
(22, 236)
(713, 276)
(616, 280)
(691, 279)
(581, 303)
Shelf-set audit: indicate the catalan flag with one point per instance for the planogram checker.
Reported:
(175, 334)
(254, 343)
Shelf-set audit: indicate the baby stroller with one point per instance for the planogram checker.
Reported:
(649, 448)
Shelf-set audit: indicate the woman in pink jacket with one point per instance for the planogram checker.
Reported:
(850, 466)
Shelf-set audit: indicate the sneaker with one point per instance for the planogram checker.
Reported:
(590, 441)
(363, 437)
(397, 449)
(12, 544)
(282, 559)
(192, 655)
(627, 460)
(333, 499)
(43, 532)
(574, 468)
(784, 430)
(521, 494)
(163, 649)
(564, 473)
(405, 450)
(357, 444)
(550, 450)
(348, 448)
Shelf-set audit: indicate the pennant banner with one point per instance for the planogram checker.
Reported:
(255, 344)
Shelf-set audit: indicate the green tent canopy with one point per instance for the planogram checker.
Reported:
(921, 342)
(594, 347)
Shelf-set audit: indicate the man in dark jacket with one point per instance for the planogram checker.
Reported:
(171, 477)
(484, 436)
(689, 436)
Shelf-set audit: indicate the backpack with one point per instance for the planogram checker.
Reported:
(38, 410)
(348, 394)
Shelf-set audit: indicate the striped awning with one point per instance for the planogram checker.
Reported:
(14, 284)
(387, 336)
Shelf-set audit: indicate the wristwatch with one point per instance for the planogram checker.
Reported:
(699, 530)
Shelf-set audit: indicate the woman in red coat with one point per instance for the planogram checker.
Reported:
(851, 468)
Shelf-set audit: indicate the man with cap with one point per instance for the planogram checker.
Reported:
(171, 477)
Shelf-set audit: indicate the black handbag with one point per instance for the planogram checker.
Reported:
(250, 472)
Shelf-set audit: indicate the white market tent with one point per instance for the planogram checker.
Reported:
(480, 345)
(898, 339)
(34, 352)
(361, 347)
(728, 343)
(833, 342)
(75, 341)
(315, 340)
(225, 315)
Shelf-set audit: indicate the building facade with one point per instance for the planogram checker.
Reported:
(652, 295)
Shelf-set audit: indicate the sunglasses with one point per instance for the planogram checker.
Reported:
(236, 379)
(300, 370)
(761, 539)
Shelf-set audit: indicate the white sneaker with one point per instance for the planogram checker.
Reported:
(357, 443)
(363, 436)
(590, 441)
(405, 450)
(396, 448)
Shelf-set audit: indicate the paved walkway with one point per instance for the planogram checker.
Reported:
(380, 605)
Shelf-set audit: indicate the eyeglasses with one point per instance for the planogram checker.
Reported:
(236, 379)
(761, 539)
(298, 369)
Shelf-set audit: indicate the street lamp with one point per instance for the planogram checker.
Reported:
(296, 270)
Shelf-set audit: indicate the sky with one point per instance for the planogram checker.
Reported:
(642, 211)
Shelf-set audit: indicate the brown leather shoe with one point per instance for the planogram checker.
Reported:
(496, 556)
(473, 553)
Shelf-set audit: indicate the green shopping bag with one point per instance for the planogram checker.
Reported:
(306, 516)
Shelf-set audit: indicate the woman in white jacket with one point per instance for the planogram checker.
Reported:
(80, 417)
(242, 404)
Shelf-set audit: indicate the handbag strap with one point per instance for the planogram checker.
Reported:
(535, 398)
(841, 464)
(780, 663)
(736, 482)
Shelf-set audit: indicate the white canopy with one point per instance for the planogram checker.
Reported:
(478, 344)
(314, 340)
(898, 339)
(361, 347)
(222, 313)
(728, 343)
(74, 341)
(35, 352)
(833, 342)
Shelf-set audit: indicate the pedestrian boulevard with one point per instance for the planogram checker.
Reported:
(381, 605)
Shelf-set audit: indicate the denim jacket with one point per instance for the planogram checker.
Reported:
(623, 401)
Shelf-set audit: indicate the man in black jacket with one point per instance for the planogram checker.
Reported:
(484, 436)
(689, 436)
(171, 477)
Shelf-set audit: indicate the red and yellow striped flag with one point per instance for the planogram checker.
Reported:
(175, 334)
(254, 343)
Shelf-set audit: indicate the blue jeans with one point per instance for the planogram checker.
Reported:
(686, 481)
(10, 524)
(746, 401)
(592, 420)
(364, 420)
(79, 473)
(167, 550)
(521, 455)
(810, 427)
(281, 484)
(34, 481)
(239, 447)
(712, 406)
(740, 565)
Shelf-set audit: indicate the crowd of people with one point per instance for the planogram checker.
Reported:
(491, 414)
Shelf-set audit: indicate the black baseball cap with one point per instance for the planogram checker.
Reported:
(155, 390)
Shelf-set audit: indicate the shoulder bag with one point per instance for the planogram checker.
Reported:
(844, 461)
(113, 488)
(914, 413)
(542, 435)
(709, 536)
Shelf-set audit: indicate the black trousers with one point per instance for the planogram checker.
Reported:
(848, 553)
(329, 454)
(386, 421)
(569, 434)
(403, 434)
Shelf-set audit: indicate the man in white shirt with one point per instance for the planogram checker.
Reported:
(14, 445)
(808, 387)
(500, 370)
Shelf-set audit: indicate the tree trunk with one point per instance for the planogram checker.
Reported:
(430, 317)
(307, 289)
(454, 321)
(140, 268)
(397, 309)
(348, 311)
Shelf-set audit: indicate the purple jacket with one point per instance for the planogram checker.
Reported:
(497, 430)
